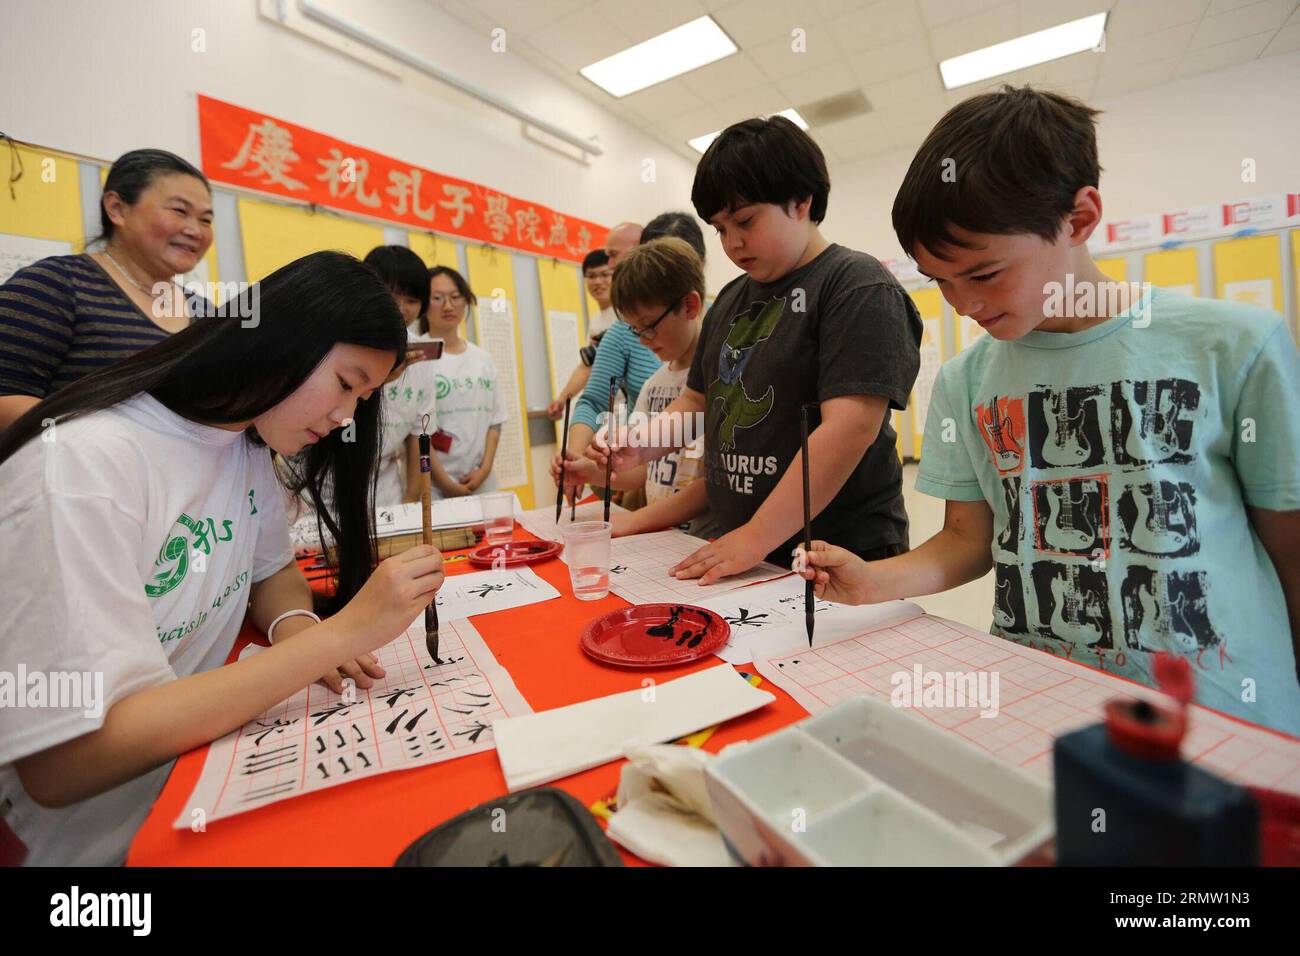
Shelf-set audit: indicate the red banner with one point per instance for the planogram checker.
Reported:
(249, 149)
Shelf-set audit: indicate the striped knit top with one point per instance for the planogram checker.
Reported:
(620, 355)
(62, 318)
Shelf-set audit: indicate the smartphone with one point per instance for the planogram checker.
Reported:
(431, 350)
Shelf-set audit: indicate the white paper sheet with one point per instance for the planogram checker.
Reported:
(555, 743)
(773, 611)
(639, 566)
(541, 521)
(420, 713)
(482, 592)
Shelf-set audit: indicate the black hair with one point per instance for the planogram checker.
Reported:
(461, 286)
(594, 260)
(680, 224)
(224, 370)
(402, 271)
(133, 172)
(1005, 162)
(761, 161)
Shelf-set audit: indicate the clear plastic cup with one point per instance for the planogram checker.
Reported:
(498, 516)
(586, 549)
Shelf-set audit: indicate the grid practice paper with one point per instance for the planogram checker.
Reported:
(421, 712)
(1040, 696)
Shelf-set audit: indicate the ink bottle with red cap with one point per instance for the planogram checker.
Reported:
(1124, 795)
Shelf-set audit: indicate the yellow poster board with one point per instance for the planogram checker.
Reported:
(1115, 268)
(42, 217)
(46, 199)
(434, 250)
(562, 292)
(1295, 274)
(491, 276)
(275, 235)
(1249, 270)
(1173, 269)
(929, 302)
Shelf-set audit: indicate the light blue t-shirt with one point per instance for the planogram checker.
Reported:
(1119, 463)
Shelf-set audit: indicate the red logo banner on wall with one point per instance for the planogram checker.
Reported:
(256, 151)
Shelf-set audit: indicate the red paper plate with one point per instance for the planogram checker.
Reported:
(655, 635)
(516, 552)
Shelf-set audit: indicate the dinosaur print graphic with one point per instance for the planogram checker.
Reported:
(727, 397)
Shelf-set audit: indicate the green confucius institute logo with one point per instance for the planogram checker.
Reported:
(173, 558)
(444, 386)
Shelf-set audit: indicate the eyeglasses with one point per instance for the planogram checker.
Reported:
(600, 274)
(438, 299)
(648, 333)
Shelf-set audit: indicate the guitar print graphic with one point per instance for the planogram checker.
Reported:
(1065, 445)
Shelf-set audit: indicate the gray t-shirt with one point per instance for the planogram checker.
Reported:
(840, 325)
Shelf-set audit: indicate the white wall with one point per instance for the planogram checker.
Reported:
(1181, 144)
(100, 77)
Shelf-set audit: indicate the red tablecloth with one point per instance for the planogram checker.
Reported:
(368, 823)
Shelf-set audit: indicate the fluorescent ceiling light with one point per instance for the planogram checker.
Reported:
(701, 143)
(1029, 50)
(680, 50)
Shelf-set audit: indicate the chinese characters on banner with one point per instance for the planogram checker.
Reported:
(249, 149)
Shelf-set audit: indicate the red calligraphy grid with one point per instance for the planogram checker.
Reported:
(1040, 696)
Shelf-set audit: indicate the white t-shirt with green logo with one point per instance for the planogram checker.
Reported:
(139, 536)
(469, 403)
(406, 402)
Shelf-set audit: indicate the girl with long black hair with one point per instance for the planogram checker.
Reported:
(143, 496)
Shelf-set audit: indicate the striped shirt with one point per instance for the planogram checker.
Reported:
(62, 318)
(622, 356)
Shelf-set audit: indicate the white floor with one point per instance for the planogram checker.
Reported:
(970, 604)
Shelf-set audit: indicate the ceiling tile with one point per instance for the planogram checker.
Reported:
(1070, 69)
(905, 87)
(778, 61)
(697, 122)
(975, 32)
(726, 77)
(1223, 55)
(927, 110)
(751, 22)
(884, 62)
(1224, 6)
(1079, 89)
(1263, 17)
(1133, 75)
(662, 100)
(1132, 18)
(580, 39)
(1162, 45)
(525, 17)
(760, 101)
(1036, 15)
(936, 12)
(843, 135)
(641, 21)
(819, 83)
(1287, 39)
(874, 24)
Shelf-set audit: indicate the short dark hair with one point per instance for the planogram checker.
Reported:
(1005, 162)
(761, 160)
(133, 172)
(594, 260)
(402, 271)
(682, 225)
(458, 280)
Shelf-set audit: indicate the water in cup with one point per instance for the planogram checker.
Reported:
(590, 584)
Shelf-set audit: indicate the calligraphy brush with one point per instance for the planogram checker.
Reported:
(807, 527)
(564, 454)
(609, 445)
(426, 509)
